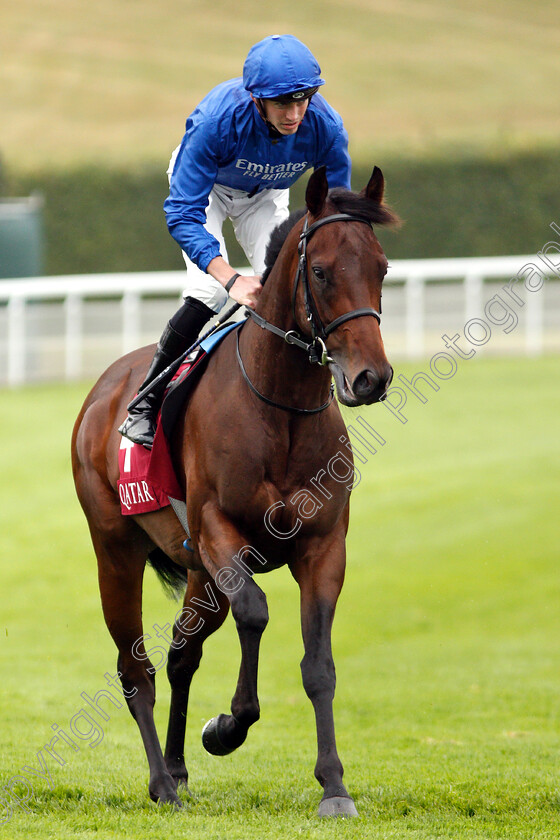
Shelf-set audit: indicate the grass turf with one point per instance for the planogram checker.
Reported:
(445, 640)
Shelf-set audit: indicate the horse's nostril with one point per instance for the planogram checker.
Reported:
(365, 383)
(370, 386)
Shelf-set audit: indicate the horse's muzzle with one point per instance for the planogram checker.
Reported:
(368, 387)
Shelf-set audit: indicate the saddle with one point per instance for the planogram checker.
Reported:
(148, 481)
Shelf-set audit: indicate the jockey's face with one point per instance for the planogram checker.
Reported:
(285, 117)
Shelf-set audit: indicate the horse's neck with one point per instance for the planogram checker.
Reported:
(281, 371)
(275, 302)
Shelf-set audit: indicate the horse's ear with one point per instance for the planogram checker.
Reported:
(316, 192)
(376, 186)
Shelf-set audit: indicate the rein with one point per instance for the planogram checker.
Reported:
(275, 404)
(316, 349)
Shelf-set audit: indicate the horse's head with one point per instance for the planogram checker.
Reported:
(342, 266)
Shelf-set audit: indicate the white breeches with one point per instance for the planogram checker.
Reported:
(253, 221)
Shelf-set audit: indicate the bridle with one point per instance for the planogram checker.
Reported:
(316, 349)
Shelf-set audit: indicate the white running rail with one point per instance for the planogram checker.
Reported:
(421, 297)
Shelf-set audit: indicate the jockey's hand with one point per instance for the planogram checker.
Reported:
(246, 290)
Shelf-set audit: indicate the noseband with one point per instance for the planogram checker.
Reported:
(316, 349)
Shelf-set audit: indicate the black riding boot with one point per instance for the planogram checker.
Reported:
(181, 331)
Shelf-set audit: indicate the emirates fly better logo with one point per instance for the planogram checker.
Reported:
(270, 171)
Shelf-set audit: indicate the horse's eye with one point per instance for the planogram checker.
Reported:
(319, 273)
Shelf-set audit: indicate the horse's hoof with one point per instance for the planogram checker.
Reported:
(222, 735)
(211, 739)
(168, 799)
(337, 806)
(162, 789)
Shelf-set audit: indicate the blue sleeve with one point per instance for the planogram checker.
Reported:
(337, 160)
(193, 177)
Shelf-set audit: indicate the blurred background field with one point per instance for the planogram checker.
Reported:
(456, 101)
(112, 82)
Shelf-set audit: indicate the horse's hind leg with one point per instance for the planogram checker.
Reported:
(204, 611)
(221, 549)
(121, 568)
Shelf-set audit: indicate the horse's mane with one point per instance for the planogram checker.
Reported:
(344, 201)
(277, 239)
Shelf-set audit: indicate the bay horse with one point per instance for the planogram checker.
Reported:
(260, 424)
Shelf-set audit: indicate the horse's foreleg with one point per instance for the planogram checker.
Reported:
(320, 577)
(204, 611)
(222, 549)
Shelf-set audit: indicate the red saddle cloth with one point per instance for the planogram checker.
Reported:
(137, 490)
(147, 476)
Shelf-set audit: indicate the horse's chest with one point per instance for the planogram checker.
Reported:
(304, 498)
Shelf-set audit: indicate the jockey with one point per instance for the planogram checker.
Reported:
(245, 144)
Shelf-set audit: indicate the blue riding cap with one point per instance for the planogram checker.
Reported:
(280, 65)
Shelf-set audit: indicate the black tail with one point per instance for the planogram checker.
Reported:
(173, 577)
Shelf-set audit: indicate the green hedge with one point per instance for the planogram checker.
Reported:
(99, 219)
